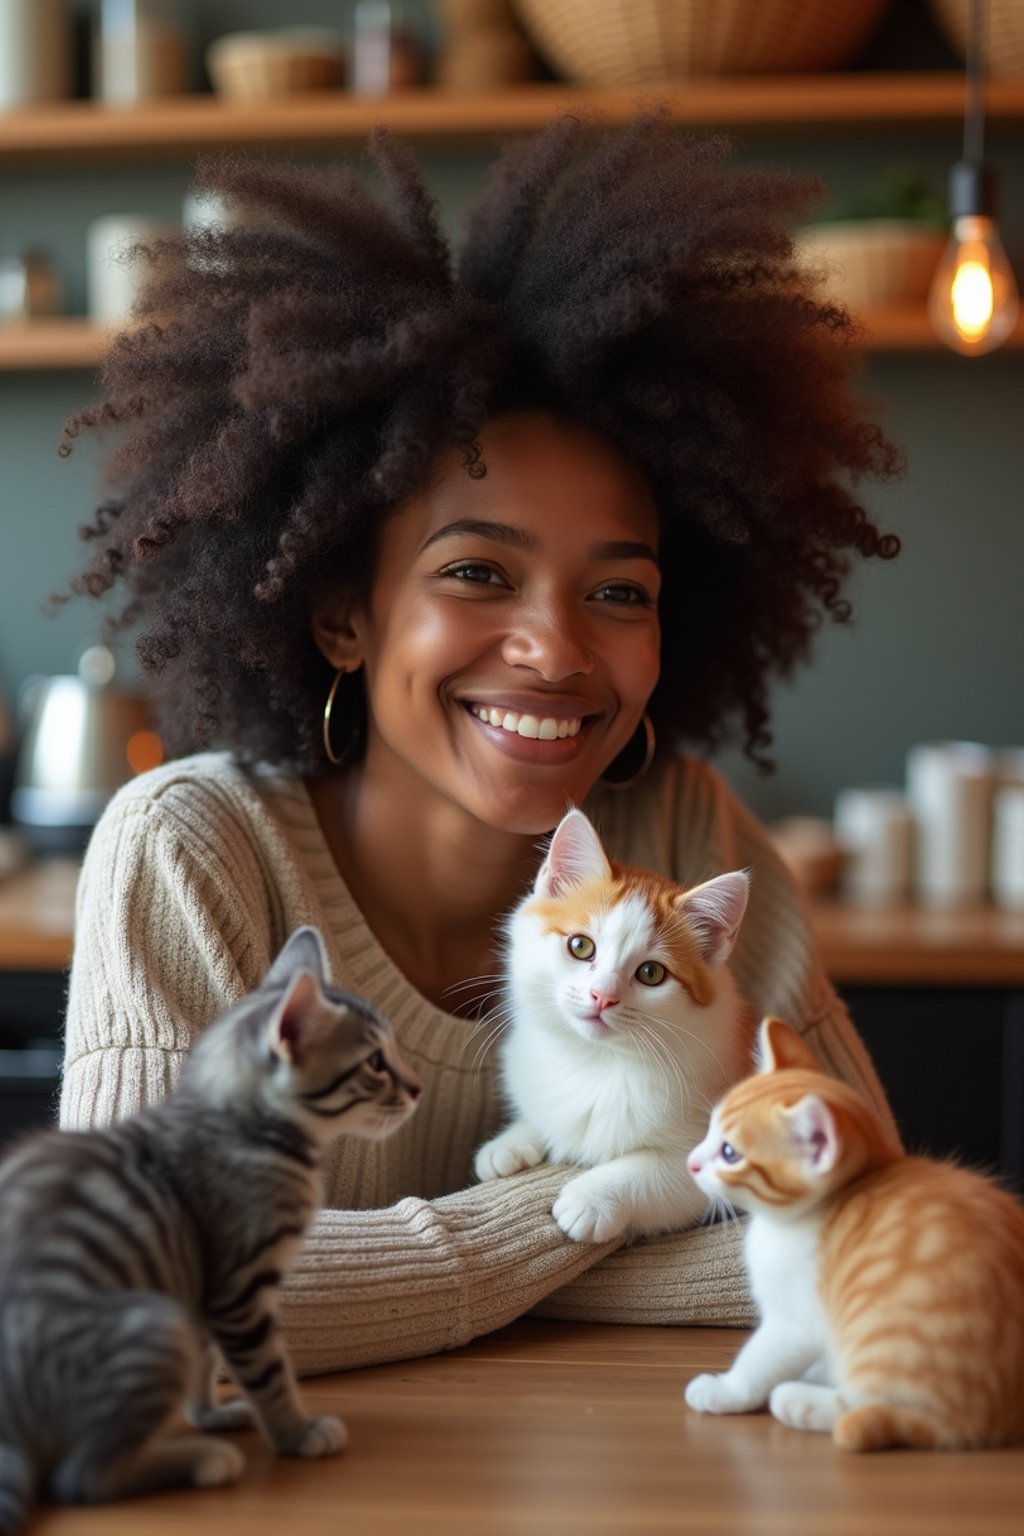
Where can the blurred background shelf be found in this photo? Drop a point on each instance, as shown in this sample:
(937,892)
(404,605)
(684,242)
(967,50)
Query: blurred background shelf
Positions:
(40,345)
(85,131)
(905,946)
(71,342)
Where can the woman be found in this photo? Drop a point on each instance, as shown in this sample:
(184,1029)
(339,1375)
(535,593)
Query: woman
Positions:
(428,557)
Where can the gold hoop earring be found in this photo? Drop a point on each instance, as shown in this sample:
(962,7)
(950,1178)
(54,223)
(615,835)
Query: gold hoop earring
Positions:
(631,750)
(337,758)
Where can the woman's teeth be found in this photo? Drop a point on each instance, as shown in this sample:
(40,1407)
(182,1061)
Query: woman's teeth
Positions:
(533,726)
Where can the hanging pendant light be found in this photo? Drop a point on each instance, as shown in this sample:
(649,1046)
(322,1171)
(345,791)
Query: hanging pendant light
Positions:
(973,301)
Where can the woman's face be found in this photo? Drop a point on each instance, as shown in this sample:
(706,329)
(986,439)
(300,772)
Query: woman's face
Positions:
(511,639)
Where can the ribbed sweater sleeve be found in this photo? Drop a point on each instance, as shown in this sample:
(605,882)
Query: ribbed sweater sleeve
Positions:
(424,1276)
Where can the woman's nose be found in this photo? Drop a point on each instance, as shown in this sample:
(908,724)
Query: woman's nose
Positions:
(549,642)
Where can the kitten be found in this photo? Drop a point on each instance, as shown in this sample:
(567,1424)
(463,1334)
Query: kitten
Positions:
(625,1026)
(899,1279)
(126,1253)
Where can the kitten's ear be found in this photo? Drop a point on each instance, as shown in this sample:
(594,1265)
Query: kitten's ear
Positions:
(816,1133)
(714,912)
(780,1048)
(303,951)
(574,854)
(296,1019)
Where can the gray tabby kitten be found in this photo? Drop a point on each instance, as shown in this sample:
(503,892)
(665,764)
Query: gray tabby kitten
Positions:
(126,1253)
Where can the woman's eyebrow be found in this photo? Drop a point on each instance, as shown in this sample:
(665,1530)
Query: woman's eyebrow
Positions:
(624,549)
(521,538)
(501,533)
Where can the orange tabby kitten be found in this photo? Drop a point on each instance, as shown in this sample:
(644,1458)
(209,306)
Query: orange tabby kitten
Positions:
(899,1279)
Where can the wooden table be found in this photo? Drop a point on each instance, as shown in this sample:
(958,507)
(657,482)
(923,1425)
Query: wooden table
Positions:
(553,1429)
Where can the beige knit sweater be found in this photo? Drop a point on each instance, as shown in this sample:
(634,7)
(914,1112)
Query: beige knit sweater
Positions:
(195,876)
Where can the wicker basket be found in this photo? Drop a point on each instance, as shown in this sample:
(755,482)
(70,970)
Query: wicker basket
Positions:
(632,42)
(253,66)
(1004,27)
(873,263)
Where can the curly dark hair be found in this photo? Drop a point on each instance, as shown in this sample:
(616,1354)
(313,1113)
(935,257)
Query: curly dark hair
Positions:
(294,377)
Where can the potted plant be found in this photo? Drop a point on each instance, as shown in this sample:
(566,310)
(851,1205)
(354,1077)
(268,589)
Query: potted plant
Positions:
(881,250)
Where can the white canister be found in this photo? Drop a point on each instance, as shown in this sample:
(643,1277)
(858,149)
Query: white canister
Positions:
(140,51)
(114,277)
(35,51)
(1008,846)
(949,787)
(874,828)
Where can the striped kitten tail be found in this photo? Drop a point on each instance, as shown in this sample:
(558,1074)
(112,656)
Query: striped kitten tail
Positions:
(17,1489)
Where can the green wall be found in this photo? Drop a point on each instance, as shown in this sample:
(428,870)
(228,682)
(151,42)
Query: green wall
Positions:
(937,648)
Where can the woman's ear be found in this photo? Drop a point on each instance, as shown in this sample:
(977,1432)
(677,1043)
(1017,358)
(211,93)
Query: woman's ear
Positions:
(337,633)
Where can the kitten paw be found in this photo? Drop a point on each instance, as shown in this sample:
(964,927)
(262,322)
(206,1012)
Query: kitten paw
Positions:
(803,1406)
(237,1414)
(716,1394)
(325,1436)
(588,1216)
(219,1463)
(499,1158)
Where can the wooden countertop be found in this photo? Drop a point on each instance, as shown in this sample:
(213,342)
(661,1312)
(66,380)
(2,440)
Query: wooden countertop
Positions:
(560,1429)
(905,946)
(37,915)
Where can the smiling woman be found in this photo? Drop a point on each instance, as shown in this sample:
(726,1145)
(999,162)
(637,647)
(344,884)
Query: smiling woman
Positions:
(427,555)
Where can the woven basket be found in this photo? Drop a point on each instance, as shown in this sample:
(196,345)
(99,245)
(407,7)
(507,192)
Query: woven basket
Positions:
(254,66)
(1004,27)
(873,263)
(631,42)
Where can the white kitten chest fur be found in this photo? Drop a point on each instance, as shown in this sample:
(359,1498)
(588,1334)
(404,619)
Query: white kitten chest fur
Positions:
(782,1263)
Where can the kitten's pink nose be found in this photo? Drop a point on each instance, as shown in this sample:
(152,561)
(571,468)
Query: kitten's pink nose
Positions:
(693,1163)
(603,1000)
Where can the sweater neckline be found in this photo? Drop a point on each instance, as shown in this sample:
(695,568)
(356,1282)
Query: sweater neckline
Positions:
(368,968)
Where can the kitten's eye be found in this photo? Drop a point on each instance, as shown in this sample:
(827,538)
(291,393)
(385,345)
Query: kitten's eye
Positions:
(377,1062)
(728,1153)
(581,947)
(652,973)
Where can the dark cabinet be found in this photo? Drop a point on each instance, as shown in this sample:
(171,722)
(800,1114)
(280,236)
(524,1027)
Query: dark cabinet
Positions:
(952,1062)
(31,1015)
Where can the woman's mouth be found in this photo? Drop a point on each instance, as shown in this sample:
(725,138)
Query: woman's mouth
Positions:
(532,727)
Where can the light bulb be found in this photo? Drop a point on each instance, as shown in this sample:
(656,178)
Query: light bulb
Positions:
(973,301)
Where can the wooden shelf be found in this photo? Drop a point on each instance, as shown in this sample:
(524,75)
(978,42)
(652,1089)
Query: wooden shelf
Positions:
(178,127)
(73,342)
(910,330)
(41,345)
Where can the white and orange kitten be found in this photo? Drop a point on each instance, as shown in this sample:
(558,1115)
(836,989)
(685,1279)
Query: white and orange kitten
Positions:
(890,1288)
(624,1028)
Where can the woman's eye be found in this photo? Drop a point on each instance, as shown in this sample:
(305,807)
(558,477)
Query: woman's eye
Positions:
(622,592)
(581,947)
(728,1153)
(651,973)
(473,573)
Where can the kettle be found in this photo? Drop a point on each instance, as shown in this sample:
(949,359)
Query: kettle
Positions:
(82,740)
